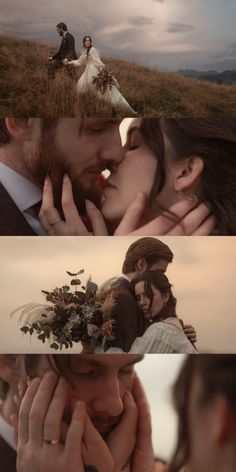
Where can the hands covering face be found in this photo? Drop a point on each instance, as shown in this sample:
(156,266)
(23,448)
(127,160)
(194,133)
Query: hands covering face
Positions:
(45,442)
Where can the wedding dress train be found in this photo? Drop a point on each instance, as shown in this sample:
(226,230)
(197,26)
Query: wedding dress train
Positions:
(94,77)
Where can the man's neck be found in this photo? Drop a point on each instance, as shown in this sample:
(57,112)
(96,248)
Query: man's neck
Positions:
(131,275)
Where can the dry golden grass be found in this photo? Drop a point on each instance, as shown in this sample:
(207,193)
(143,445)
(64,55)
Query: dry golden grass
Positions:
(26,91)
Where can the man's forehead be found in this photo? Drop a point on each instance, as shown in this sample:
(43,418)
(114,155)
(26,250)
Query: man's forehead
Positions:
(105,360)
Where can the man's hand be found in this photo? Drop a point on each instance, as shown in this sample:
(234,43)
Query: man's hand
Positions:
(143,456)
(190,333)
(189,220)
(121,440)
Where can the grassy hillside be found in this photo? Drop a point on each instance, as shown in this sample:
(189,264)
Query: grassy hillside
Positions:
(25,89)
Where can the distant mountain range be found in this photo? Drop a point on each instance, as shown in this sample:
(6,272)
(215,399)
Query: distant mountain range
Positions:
(226,77)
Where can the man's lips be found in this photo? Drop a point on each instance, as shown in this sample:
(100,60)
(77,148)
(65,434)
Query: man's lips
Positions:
(95,170)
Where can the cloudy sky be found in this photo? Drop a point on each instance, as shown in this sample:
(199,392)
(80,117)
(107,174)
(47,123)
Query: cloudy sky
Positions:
(203,277)
(169,34)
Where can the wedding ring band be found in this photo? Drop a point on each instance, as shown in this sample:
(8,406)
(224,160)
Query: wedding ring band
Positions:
(55,222)
(51,442)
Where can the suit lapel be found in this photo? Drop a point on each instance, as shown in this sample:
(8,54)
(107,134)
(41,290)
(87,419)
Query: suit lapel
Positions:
(12,222)
(8,457)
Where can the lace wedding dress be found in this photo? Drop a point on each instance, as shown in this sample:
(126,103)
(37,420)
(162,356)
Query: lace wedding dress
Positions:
(93,67)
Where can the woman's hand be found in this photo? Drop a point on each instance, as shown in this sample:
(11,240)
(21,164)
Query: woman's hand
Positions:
(190,220)
(46,443)
(72,225)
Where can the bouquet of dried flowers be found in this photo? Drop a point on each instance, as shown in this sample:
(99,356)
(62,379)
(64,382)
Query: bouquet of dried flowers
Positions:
(104,80)
(71,317)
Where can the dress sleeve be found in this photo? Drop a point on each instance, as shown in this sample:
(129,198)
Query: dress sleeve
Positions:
(79,62)
(162,338)
(94,54)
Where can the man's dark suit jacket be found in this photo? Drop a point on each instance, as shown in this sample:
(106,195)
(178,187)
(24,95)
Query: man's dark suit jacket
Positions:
(129,319)
(7,457)
(67,49)
(12,222)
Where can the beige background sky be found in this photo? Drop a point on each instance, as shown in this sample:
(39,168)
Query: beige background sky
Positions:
(203,275)
(158,373)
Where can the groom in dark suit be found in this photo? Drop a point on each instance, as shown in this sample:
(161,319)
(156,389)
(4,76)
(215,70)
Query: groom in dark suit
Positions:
(66,51)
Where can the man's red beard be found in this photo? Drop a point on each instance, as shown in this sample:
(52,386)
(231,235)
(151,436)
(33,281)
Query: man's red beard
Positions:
(51,161)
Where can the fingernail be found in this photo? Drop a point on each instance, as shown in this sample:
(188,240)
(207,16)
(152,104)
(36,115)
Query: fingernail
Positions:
(15,398)
(139,196)
(89,204)
(50,374)
(46,181)
(66,179)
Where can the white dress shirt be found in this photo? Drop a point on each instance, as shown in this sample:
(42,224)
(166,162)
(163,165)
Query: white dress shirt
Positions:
(6,432)
(25,195)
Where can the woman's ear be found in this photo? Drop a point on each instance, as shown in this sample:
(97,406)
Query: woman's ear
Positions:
(21,129)
(223,421)
(9,368)
(188,173)
(165,297)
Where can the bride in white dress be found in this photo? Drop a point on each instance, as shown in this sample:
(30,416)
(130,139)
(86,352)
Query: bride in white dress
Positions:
(98,79)
(164,332)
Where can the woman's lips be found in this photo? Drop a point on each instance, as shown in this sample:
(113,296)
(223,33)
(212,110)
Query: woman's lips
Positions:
(109,185)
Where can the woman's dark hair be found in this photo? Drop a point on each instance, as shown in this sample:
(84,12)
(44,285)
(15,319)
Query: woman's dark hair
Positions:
(218,375)
(161,282)
(212,139)
(90,39)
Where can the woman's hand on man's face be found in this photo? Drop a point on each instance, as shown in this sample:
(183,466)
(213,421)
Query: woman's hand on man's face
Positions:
(189,220)
(41,421)
(72,225)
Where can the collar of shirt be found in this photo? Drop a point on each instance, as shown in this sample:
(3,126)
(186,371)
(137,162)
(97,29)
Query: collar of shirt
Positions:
(6,432)
(24,193)
(124,276)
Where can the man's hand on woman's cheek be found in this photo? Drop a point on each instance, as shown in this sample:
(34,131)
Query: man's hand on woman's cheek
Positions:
(121,441)
(143,455)
(182,219)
